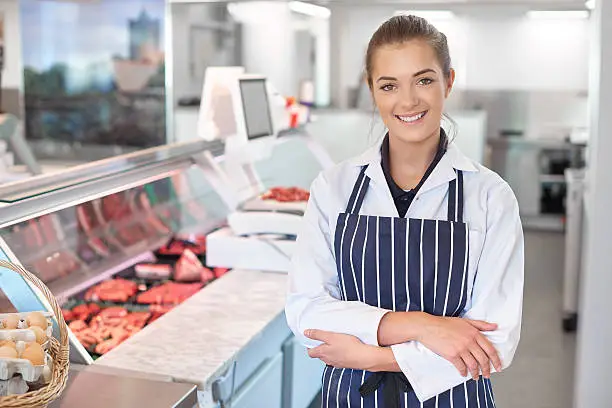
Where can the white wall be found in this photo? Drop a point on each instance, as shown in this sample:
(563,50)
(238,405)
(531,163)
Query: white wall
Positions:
(522,54)
(595,326)
(12,75)
(490,51)
(267,43)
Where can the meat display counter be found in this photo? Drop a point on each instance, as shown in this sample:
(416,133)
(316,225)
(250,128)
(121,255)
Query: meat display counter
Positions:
(121,244)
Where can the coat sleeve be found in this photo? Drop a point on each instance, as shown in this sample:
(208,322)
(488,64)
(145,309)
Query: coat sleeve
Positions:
(313,298)
(497,297)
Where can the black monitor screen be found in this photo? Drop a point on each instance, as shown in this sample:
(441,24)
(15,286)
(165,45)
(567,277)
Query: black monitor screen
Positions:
(256,108)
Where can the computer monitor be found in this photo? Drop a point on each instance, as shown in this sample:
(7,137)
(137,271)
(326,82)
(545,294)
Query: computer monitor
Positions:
(242,111)
(256,108)
(255,125)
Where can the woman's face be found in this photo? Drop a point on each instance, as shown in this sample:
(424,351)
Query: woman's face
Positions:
(409,89)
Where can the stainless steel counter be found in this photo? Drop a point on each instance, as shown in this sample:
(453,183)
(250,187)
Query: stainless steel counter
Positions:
(92,389)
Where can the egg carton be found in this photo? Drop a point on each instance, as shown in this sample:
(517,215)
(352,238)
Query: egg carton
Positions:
(9,367)
(23,334)
(13,386)
(24,315)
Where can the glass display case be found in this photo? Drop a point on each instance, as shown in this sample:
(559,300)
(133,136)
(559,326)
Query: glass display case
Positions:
(122,241)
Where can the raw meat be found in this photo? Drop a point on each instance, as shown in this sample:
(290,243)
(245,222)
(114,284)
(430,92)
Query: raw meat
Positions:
(153,271)
(115,207)
(137,319)
(158,311)
(114,290)
(160,308)
(108,327)
(68,315)
(152,218)
(106,346)
(93,309)
(188,268)
(178,246)
(169,293)
(86,218)
(98,245)
(206,275)
(219,272)
(286,194)
(78,326)
(35,234)
(112,313)
(48,228)
(81,312)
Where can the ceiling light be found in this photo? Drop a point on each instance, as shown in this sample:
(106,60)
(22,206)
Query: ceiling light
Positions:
(590,4)
(309,9)
(558,15)
(428,14)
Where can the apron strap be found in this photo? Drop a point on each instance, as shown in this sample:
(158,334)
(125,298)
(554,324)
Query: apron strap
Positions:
(358,194)
(455,198)
(395,385)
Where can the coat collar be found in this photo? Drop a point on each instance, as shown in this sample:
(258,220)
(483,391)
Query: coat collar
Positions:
(444,172)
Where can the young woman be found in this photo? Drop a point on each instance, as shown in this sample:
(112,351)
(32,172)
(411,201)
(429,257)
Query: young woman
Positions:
(408,278)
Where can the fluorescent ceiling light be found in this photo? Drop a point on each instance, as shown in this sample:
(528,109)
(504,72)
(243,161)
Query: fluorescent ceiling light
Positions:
(558,15)
(309,9)
(590,4)
(428,14)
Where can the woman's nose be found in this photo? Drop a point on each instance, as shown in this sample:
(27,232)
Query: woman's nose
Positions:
(409,97)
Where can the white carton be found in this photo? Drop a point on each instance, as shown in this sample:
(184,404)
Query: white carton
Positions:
(24,334)
(11,366)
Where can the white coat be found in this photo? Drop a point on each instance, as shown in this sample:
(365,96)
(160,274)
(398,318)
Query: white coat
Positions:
(495,271)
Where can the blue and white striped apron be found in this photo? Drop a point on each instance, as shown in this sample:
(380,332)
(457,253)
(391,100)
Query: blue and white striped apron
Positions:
(402,264)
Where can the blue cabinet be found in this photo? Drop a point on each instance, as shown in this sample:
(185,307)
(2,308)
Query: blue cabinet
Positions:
(264,389)
(302,375)
(272,371)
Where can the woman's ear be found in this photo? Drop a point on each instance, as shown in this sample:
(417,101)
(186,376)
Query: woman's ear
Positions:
(449,83)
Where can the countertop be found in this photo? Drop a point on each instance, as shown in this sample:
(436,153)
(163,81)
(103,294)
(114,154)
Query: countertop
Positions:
(197,342)
(97,390)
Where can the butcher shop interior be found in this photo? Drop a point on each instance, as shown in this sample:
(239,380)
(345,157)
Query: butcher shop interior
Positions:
(156,160)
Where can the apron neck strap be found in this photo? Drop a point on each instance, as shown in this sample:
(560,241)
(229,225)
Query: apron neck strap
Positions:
(358,194)
(455,195)
(455,198)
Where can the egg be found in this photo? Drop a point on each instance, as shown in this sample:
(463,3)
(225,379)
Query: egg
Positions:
(8,352)
(37,319)
(8,343)
(10,322)
(41,335)
(34,353)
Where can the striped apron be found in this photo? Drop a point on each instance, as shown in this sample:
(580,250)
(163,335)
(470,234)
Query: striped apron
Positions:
(401,264)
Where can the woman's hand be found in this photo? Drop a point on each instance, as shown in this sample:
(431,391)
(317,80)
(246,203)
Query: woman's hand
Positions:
(345,351)
(461,342)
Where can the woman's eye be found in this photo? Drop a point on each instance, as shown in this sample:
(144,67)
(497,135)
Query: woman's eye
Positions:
(425,81)
(388,87)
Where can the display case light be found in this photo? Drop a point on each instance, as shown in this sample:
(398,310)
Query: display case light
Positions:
(309,9)
(590,4)
(558,14)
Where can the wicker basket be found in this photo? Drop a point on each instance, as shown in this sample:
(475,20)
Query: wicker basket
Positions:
(59,351)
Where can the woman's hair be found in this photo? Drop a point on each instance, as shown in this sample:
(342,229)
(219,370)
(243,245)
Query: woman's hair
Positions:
(403,28)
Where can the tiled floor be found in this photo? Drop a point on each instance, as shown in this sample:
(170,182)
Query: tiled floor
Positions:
(542,373)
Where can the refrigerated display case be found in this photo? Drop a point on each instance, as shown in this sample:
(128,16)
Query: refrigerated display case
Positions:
(120,243)
(97,236)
